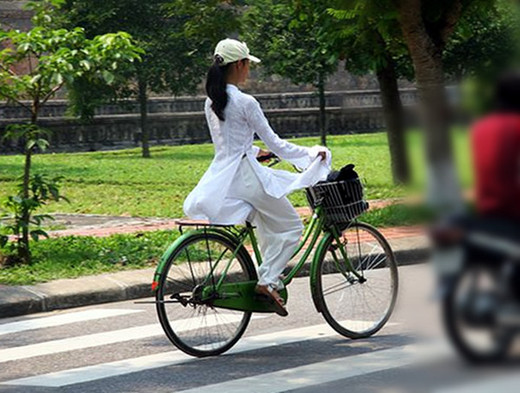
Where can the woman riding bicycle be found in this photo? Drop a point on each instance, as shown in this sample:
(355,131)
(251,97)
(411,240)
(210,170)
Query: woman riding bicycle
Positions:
(236,188)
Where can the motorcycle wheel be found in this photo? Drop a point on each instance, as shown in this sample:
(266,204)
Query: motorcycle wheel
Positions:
(484,341)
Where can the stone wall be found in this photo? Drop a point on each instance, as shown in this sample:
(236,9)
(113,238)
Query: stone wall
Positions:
(13,16)
(181,120)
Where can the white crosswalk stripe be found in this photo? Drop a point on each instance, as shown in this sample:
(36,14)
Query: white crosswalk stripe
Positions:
(502,384)
(127,366)
(105,338)
(322,372)
(58,320)
(278,381)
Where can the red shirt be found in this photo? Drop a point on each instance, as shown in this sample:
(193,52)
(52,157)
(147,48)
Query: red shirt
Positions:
(496,156)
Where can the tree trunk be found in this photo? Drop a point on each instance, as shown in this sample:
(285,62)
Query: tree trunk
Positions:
(393,113)
(443,189)
(322,115)
(24,251)
(143,101)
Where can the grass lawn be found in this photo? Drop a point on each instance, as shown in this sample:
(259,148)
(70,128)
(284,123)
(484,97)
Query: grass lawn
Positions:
(75,256)
(123,183)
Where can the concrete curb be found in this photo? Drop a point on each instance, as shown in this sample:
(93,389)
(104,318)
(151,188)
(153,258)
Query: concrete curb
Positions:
(135,284)
(68,293)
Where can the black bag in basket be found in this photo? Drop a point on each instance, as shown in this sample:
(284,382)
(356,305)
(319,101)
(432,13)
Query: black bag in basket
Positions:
(341,195)
(345,173)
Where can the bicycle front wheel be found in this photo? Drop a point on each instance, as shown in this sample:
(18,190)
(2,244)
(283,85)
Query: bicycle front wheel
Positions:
(184,299)
(357,294)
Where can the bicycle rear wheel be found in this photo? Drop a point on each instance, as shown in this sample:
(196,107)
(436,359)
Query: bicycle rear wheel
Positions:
(184,300)
(356,307)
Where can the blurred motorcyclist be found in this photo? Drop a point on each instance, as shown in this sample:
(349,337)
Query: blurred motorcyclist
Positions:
(496,154)
(477,256)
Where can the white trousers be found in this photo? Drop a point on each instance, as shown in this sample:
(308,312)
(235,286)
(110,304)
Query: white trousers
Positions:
(278,225)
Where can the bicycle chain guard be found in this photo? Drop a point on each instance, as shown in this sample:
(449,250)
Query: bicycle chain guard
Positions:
(241,296)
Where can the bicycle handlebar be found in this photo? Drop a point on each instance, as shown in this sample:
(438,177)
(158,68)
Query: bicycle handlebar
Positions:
(276,160)
(267,157)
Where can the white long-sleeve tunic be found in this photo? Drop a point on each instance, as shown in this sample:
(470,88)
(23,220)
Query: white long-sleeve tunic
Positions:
(232,139)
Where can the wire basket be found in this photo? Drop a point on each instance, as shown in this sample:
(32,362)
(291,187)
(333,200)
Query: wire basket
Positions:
(342,201)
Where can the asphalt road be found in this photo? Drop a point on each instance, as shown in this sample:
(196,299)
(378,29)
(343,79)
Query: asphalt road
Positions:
(120,347)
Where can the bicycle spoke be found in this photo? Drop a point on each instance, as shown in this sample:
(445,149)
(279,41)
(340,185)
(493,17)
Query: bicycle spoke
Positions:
(181,283)
(194,324)
(360,307)
(377,262)
(336,288)
(189,264)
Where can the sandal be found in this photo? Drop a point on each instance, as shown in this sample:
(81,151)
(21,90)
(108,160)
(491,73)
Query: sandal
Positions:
(273,295)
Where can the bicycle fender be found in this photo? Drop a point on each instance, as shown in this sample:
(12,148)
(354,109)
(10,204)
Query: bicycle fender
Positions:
(171,249)
(165,256)
(320,250)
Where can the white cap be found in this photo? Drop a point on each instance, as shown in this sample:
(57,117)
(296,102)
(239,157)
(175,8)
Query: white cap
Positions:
(230,50)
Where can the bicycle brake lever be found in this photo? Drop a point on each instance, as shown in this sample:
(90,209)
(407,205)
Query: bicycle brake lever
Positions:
(276,161)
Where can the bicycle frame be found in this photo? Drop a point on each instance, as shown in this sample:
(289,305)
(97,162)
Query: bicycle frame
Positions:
(241,295)
(315,228)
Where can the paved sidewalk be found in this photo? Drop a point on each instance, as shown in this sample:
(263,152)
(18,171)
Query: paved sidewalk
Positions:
(100,225)
(408,243)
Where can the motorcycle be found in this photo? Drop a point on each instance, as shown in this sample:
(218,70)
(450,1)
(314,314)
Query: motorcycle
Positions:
(478,265)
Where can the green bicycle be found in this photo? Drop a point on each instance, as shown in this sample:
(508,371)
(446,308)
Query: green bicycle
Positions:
(204,283)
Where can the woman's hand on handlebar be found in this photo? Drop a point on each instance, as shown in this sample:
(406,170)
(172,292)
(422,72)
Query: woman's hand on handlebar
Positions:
(265,155)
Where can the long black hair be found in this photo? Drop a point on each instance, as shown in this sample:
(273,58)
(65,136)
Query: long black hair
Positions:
(216,86)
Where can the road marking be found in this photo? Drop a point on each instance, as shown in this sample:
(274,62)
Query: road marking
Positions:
(322,372)
(502,384)
(105,338)
(127,366)
(58,320)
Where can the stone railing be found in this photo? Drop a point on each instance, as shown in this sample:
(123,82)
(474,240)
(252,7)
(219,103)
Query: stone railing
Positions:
(344,99)
(13,15)
(181,120)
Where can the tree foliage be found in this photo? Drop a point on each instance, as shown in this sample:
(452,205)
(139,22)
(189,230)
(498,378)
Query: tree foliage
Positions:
(49,59)
(369,38)
(483,43)
(294,40)
(178,37)
(56,57)
(434,34)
